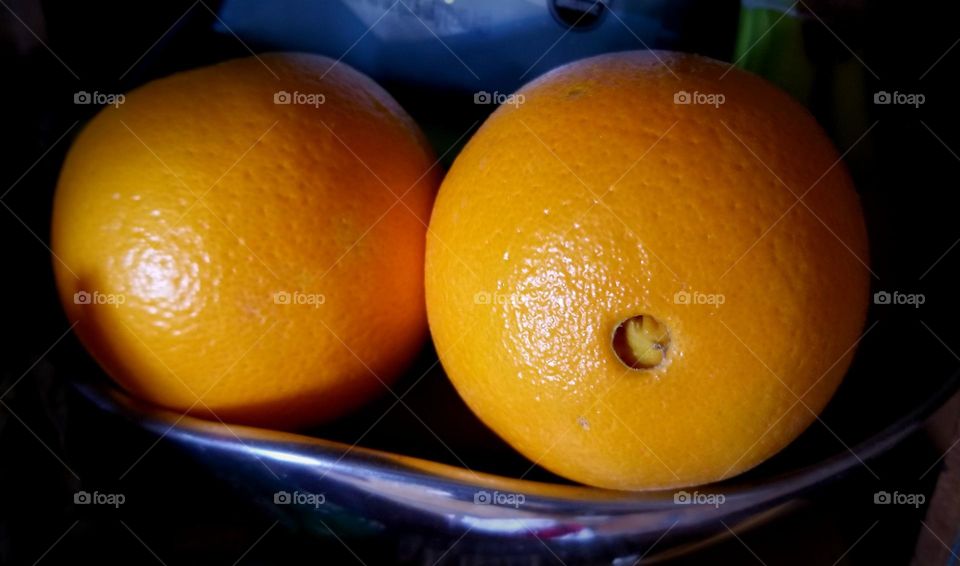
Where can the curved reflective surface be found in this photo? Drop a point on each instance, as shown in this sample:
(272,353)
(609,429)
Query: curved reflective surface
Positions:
(316,486)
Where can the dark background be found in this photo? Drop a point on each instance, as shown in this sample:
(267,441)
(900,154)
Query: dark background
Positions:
(52,443)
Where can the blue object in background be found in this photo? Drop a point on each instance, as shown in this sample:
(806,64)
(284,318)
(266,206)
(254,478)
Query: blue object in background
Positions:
(473,45)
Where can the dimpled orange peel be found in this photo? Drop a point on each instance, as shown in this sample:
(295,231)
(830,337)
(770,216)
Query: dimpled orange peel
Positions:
(232,241)
(648,274)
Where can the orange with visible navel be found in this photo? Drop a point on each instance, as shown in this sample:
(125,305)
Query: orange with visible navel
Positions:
(601,200)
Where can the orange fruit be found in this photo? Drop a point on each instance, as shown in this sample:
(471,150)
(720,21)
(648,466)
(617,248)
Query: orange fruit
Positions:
(647,273)
(245,241)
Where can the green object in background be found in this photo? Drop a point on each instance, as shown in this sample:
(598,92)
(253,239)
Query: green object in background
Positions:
(819,70)
(770,44)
